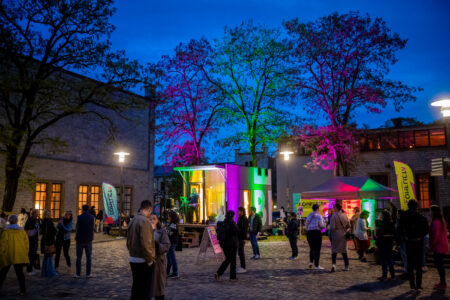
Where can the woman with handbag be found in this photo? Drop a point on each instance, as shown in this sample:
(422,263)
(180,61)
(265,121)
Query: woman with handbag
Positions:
(361,235)
(339,227)
(162,245)
(63,240)
(48,245)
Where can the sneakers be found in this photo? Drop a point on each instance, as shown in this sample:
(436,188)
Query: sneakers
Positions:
(76,276)
(333,268)
(310,266)
(345,268)
(292,258)
(32,273)
(216,277)
(233,279)
(257,256)
(241,270)
(89,276)
(440,287)
(318,268)
(253,257)
(174,276)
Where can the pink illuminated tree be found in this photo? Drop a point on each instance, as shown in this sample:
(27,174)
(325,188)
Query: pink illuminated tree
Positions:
(189,105)
(343,62)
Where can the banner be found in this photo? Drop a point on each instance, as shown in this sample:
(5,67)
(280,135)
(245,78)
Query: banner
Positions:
(307,204)
(405,184)
(110,202)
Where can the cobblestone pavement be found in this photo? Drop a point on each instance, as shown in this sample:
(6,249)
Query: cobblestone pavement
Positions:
(271,277)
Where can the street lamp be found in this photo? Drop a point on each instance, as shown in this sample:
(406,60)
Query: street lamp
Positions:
(286,154)
(444,104)
(121,156)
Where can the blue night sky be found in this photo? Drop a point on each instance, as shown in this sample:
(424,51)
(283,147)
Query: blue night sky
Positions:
(147,29)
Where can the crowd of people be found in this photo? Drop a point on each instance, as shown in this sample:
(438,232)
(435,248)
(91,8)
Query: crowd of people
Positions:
(152,245)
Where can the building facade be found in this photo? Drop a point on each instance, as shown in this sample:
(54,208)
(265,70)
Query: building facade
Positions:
(414,146)
(68,179)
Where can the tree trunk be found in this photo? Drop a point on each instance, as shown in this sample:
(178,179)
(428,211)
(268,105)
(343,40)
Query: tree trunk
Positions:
(253,153)
(12,175)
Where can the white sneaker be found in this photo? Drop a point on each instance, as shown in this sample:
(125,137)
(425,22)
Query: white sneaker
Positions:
(257,256)
(253,257)
(345,269)
(318,268)
(241,270)
(32,273)
(76,276)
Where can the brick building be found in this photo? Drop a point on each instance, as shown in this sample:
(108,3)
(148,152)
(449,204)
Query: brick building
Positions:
(68,179)
(415,146)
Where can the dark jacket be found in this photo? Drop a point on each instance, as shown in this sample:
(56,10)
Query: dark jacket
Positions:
(292,230)
(257,224)
(100,215)
(85,227)
(231,239)
(385,232)
(172,231)
(48,231)
(413,226)
(33,229)
(242,224)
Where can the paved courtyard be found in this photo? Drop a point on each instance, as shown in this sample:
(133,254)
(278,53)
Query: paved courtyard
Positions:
(271,277)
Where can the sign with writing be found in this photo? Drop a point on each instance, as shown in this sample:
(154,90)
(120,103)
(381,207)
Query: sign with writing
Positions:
(110,202)
(210,238)
(405,184)
(307,204)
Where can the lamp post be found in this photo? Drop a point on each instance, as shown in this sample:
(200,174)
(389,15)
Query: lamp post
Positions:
(286,154)
(444,104)
(121,156)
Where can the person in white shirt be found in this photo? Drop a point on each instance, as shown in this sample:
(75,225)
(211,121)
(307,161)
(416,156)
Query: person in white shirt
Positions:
(314,226)
(361,235)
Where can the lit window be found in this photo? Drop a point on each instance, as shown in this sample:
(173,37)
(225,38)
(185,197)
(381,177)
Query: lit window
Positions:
(48,195)
(41,197)
(55,203)
(425,191)
(389,140)
(421,138)
(437,137)
(127,201)
(88,195)
(406,139)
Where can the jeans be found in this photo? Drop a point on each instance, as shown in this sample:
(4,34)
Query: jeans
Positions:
(142,280)
(48,270)
(385,253)
(87,246)
(439,264)
(230,259)
(414,254)
(241,253)
(402,249)
(32,253)
(19,273)
(293,243)
(254,242)
(108,228)
(65,245)
(314,238)
(363,245)
(172,260)
(344,256)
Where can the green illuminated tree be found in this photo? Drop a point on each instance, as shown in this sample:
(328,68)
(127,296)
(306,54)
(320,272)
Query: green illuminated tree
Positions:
(39,41)
(252,72)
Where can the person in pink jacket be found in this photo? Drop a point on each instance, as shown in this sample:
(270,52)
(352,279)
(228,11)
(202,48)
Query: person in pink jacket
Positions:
(438,243)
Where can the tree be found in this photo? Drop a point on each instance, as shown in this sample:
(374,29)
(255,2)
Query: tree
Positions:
(190,105)
(253,75)
(343,62)
(39,42)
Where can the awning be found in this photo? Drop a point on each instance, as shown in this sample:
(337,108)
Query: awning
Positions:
(347,188)
(200,168)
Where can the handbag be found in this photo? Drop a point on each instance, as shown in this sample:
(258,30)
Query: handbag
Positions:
(347,235)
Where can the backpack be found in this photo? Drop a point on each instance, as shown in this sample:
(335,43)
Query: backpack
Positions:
(220,230)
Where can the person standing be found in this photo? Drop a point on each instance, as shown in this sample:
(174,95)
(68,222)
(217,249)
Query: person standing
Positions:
(108,224)
(242,224)
(48,245)
(282,214)
(32,229)
(193,207)
(141,248)
(23,217)
(413,227)
(292,232)
(83,238)
(255,231)
(314,226)
(172,229)
(339,225)
(64,228)
(438,244)
(99,221)
(13,252)
(353,223)
(230,244)
(385,232)
(162,245)
(361,235)
(92,211)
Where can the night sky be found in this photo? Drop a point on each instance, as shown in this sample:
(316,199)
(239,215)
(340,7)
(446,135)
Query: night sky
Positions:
(147,29)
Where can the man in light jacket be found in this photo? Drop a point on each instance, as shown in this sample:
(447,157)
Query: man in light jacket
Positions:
(141,247)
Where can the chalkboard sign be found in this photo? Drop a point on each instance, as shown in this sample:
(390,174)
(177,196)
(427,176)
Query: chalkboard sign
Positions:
(210,237)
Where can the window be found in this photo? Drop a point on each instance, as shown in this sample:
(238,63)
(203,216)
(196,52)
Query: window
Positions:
(389,140)
(88,195)
(127,200)
(406,139)
(374,142)
(259,172)
(48,195)
(437,137)
(421,138)
(380,178)
(425,189)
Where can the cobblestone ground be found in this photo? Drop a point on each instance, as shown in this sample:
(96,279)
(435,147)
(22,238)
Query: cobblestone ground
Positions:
(271,277)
